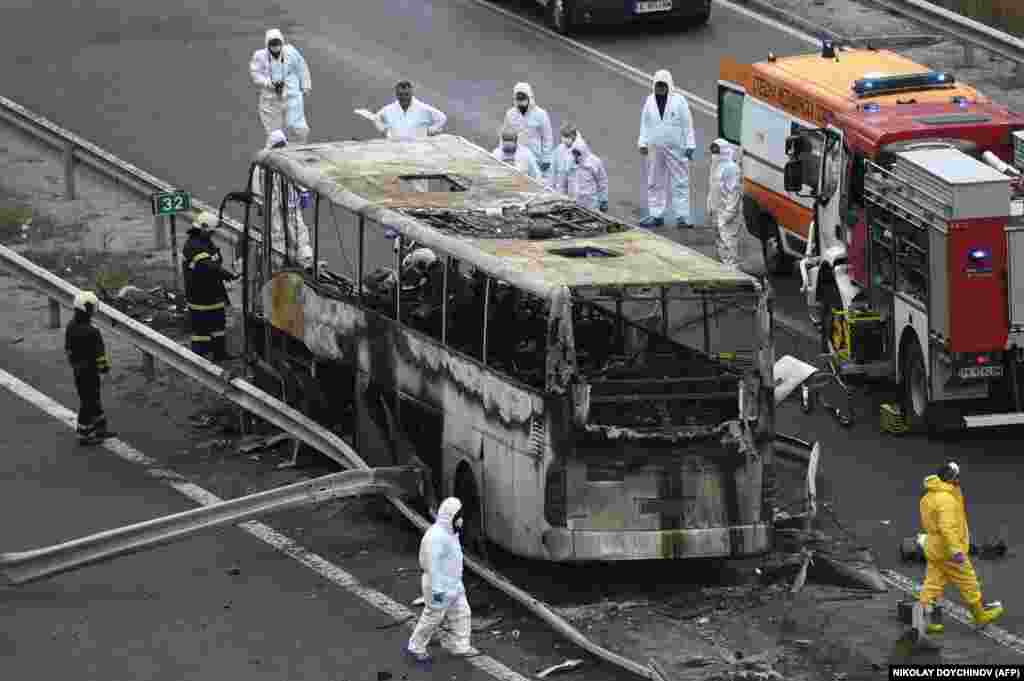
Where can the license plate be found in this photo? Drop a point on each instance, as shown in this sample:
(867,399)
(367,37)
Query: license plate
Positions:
(653,6)
(981,372)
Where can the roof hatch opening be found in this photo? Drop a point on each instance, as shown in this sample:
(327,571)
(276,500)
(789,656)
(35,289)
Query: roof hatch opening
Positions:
(584,252)
(429,183)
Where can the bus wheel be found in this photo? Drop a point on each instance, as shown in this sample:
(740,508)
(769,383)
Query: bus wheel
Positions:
(915,387)
(776,260)
(474,540)
(559,16)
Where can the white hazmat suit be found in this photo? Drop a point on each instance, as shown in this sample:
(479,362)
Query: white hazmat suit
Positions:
(534,128)
(299,246)
(522,159)
(561,157)
(286,111)
(724,194)
(669,139)
(586,180)
(444,594)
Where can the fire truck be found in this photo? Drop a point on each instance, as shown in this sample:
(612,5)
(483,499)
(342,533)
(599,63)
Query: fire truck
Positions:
(939,302)
(884,102)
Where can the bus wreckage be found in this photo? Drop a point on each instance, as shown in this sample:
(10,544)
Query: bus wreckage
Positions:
(591,391)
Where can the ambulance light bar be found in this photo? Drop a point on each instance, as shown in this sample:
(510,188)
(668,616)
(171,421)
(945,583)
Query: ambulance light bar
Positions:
(866,87)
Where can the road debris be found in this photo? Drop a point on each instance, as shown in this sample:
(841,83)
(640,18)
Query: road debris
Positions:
(561,667)
(263,442)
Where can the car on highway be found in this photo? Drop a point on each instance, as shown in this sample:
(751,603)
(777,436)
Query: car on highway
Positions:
(565,16)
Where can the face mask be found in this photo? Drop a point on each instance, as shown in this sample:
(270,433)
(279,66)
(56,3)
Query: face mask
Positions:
(509,149)
(275,50)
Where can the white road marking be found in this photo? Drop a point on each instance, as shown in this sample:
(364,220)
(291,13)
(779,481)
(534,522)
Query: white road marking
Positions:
(630,72)
(959,613)
(777,25)
(282,543)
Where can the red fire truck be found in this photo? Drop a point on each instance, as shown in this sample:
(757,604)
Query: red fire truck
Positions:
(931,293)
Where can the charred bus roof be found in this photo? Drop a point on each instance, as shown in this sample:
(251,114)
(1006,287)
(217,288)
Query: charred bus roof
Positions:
(485,213)
(988,125)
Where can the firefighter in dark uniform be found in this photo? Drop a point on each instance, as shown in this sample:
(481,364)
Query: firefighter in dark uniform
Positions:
(204,276)
(88,358)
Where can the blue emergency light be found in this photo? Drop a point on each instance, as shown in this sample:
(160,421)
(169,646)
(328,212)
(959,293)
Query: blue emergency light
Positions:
(979,260)
(871,107)
(914,81)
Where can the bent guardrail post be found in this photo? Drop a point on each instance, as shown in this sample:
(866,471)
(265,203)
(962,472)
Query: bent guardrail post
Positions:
(22,567)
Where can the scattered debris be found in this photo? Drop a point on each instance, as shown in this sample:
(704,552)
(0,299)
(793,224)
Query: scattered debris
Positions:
(263,442)
(561,667)
(234,571)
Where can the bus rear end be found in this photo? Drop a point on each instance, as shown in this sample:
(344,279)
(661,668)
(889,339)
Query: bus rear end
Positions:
(662,464)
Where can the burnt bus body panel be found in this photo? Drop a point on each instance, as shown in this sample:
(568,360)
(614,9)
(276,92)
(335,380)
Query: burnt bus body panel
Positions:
(544,444)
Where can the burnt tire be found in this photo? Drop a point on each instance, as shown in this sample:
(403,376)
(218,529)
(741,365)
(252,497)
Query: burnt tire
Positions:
(776,261)
(559,16)
(914,387)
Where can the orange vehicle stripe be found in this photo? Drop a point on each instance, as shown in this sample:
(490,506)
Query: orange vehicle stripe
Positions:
(790,215)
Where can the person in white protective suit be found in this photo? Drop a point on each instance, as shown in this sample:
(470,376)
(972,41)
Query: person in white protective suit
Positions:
(724,193)
(299,246)
(534,126)
(282,76)
(510,151)
(408,118)
(667,139)
(561,157)
(444,594)
(586,180)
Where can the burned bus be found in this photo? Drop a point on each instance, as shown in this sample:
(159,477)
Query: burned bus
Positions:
(591,390)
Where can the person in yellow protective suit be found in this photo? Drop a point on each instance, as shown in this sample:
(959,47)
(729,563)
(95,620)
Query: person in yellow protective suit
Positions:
(946,545)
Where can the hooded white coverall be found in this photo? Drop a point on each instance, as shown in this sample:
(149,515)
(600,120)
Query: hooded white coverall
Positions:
(667,137)
(535,129)
(586,181)
(561,157)
(298,233)
(287,112)
(724,193)
(444,594)
(523,160)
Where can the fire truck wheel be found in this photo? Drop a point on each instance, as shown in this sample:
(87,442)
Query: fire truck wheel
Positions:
(915,387)
(776,260)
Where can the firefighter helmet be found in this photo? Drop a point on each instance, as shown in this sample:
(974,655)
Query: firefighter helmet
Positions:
(206,221)
(86,298)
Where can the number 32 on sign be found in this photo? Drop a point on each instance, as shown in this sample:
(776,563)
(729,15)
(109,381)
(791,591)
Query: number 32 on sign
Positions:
(169,203)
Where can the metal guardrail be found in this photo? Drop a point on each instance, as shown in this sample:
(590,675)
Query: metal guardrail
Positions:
(973,34)
(77,150)
(22,567)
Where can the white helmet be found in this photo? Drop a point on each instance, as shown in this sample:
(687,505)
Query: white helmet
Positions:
(86,298)
(420,259)
(206,221)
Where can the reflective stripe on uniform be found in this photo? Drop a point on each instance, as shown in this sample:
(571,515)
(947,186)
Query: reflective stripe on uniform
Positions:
(197,257)
(200,339)
(206,308)
(217,334)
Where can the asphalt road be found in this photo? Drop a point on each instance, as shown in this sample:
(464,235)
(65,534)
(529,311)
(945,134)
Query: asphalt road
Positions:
(180,611)
(168,89)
